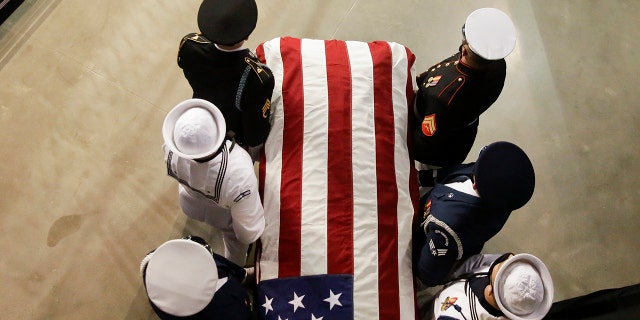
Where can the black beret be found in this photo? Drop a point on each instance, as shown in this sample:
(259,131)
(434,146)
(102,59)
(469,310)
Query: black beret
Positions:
(504,176)
(227,22)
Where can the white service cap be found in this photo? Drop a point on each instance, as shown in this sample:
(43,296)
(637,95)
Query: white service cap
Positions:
(523,288)
(181,277)
(490,33)
(194,129)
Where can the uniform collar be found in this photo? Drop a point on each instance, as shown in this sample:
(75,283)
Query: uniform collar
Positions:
(213,155)
(477,285)
(447,193)
(233,50)
(467,69)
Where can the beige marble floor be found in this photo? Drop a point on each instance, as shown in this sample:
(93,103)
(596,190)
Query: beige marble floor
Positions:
(85,86)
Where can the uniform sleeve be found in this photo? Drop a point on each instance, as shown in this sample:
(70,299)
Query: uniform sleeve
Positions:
(476,94)
(437,256)
(255,103)
(474,263)
(248,216)
(186,57)
(228,268)
(492,86)
(246,208)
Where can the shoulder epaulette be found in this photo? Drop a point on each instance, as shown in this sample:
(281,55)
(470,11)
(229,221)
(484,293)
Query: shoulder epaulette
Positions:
(195,37)
(261,70)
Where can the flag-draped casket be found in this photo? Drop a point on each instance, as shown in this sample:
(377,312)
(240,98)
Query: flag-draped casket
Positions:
(337,182)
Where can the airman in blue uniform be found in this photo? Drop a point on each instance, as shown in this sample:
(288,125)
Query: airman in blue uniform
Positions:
(468,205)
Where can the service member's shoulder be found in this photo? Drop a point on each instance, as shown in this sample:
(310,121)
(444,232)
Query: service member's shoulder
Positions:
(194,37)
(189,42)
(259,69)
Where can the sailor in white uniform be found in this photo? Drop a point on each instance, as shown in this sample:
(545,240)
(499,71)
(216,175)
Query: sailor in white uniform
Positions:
(517,287)
(218,184)
(184,279)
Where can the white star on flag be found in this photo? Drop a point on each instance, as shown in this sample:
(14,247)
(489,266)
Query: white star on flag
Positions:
(333,299)
(267,305)
(297,302)
(281,318)
(313,317)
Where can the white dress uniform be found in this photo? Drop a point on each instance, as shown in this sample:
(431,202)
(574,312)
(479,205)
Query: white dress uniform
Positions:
(523,289)
(184,279)
(221,191)
(457,301)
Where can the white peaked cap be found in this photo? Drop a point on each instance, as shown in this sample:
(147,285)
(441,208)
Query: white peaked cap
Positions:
(523,288)
(490,33)
(181,277)
(194,129)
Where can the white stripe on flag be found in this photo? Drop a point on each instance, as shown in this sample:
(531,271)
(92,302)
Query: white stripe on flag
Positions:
(314,162)
(403,171)
(273,146)
(365,228)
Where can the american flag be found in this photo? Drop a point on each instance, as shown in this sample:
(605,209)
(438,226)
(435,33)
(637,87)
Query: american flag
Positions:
(336,177)
(320,297)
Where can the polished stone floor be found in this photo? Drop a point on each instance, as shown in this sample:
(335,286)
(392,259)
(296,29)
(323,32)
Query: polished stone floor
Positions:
(85,86)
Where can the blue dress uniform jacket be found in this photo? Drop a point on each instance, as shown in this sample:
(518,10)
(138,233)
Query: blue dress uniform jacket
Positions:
(230,301)
(455,225)
(451,96)
(235,81)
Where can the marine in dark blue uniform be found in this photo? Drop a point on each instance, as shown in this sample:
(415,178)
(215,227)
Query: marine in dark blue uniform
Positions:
(468,205)
(454,93)
(184,279)
(219,69)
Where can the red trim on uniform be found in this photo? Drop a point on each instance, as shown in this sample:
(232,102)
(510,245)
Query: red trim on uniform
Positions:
(449,85)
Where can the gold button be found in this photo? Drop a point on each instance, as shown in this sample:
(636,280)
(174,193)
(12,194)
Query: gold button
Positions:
(446,65)
(438,66)
(459,79)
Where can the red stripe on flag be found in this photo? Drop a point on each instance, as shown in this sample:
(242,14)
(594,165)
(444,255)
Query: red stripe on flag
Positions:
(387,192)
(260,53)
(289,251)
(413,177)
(340,174)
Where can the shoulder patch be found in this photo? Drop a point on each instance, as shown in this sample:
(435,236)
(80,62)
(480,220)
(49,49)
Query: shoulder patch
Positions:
(242,195)
(429,125)
(448,302)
